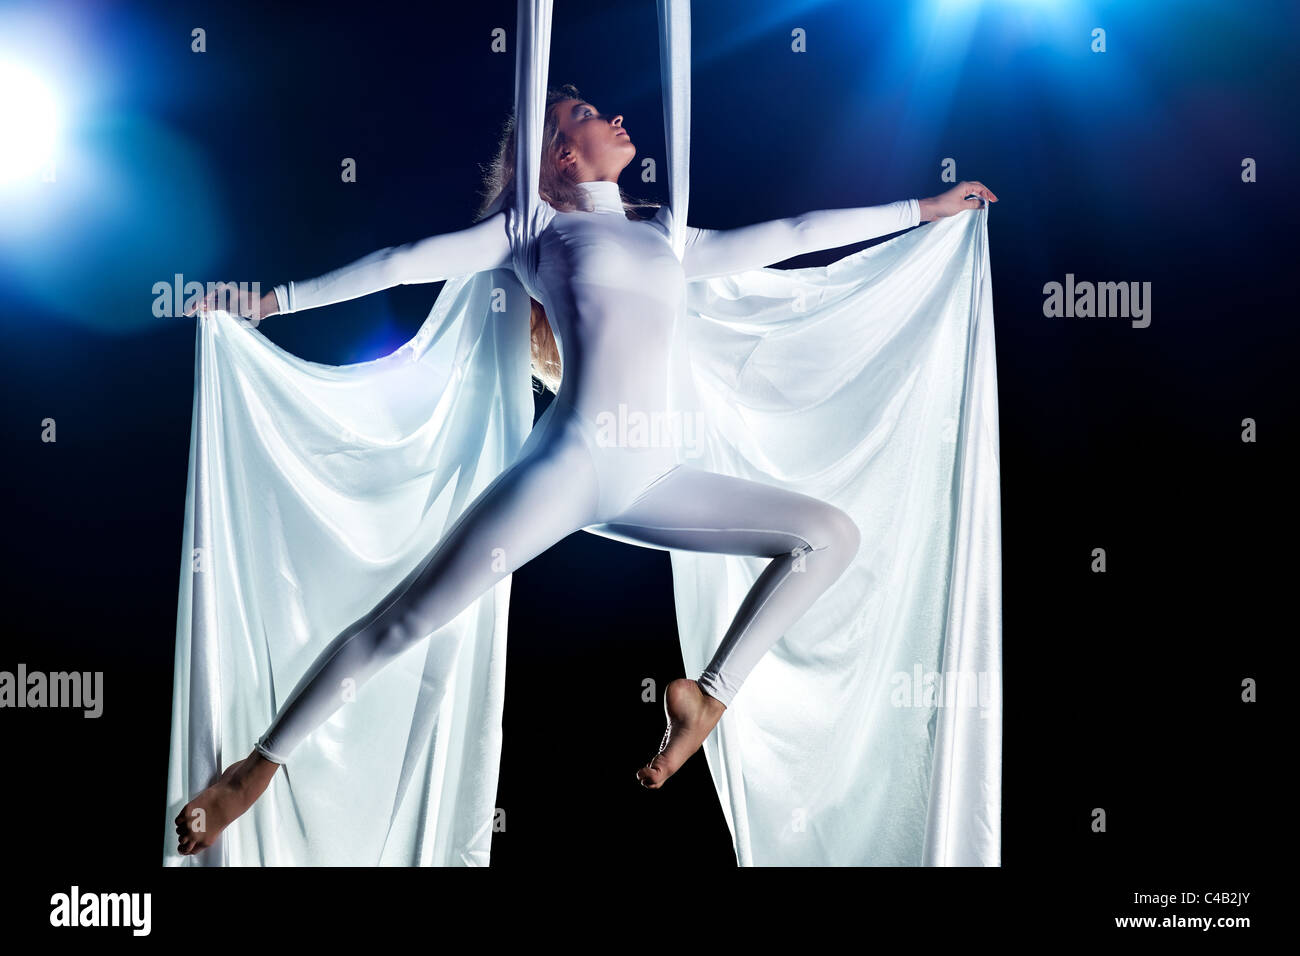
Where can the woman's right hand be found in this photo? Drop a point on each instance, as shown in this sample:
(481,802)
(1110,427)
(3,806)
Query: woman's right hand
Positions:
(237,300)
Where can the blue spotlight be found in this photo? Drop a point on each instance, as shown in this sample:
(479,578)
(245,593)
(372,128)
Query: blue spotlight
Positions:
(29,123)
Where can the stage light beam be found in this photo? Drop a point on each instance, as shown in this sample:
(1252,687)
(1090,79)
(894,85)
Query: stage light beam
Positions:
(28,123)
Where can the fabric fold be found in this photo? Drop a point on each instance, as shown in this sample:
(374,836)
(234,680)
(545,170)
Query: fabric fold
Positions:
(313,490)
(871,384)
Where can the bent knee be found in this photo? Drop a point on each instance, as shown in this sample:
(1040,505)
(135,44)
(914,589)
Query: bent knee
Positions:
(832,529)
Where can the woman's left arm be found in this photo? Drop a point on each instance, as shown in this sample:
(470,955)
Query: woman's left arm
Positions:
(713,252)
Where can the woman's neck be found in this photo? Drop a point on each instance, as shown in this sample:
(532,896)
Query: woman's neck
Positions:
(604,196)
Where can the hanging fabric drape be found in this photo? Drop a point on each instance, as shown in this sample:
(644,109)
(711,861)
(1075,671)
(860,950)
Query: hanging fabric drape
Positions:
(869,735)
(871,732)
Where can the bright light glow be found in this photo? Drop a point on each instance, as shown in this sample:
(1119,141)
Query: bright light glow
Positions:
(29,123)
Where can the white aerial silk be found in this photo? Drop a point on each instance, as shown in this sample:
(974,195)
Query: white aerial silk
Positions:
(314,489)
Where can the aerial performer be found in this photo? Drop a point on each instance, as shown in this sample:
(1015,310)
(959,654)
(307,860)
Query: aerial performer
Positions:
(816,448)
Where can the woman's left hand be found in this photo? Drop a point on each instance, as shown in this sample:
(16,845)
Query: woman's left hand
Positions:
(954,200)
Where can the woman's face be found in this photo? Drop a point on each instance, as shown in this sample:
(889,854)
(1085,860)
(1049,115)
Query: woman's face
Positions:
(595,146)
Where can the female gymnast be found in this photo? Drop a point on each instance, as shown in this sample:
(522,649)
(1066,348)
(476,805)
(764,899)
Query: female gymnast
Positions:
(612,293)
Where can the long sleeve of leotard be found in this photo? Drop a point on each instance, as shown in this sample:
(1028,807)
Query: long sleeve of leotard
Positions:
(714,252)
(484,245)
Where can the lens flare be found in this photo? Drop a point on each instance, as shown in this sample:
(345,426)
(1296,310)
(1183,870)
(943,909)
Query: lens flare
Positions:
(28,123)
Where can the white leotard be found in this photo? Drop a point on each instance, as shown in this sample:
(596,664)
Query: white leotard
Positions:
(614,292)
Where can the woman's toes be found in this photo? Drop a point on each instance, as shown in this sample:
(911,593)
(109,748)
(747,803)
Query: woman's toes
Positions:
(650,776)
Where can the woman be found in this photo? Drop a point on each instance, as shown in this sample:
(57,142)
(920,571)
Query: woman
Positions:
(612,292)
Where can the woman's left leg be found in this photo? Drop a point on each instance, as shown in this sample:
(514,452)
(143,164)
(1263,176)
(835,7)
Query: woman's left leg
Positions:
(810,543)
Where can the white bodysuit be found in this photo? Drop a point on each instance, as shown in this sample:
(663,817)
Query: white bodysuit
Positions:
(613,291)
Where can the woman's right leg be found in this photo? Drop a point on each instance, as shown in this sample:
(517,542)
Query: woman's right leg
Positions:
(547,494)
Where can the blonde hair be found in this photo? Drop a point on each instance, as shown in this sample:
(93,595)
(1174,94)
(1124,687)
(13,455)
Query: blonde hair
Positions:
(557,188)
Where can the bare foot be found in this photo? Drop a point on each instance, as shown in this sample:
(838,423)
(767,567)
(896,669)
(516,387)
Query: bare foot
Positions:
(692,715)
(201,820)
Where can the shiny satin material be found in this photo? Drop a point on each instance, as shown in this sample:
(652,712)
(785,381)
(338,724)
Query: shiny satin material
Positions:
(313,490)
(870,384)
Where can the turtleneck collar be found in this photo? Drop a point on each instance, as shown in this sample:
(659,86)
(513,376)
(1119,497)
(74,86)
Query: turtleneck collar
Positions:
(604,196)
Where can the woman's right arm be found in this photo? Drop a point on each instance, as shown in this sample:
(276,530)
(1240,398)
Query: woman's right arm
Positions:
(484,245)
